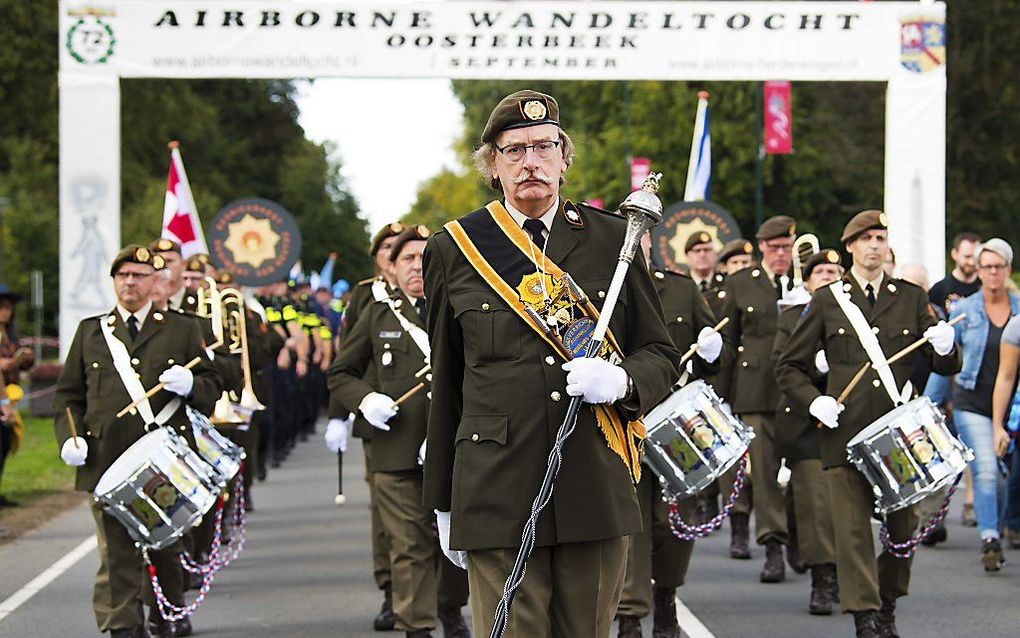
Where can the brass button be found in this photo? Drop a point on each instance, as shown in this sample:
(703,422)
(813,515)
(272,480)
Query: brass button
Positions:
(905,331)
(485,306)
(787,409)
(740,348)
(386,346)
(428,377)
(743,363)
(679,319)
(875,329)
(182,428)
(659,275)
(138,375)
(550,360)
(428,395)
(750,308)
(722,294)
(876,383)
(88,432)
(602,294)
(170,361)
(135,361)
(841,331)
(95,364)
(555,396)
(474,437)
(755,272)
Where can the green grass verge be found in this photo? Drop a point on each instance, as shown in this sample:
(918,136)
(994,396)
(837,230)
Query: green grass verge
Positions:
(36,470)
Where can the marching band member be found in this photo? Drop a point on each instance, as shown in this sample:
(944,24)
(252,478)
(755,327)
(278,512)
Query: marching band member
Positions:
(112,359)
(897,313)
(655,554)
(798,441)
(500,393)
(750,304)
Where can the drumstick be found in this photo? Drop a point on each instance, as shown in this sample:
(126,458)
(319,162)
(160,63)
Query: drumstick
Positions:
(694,346)
(156,388)
(70,421)
(407,395)
(853,383)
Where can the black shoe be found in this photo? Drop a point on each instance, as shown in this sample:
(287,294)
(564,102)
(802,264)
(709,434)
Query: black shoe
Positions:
(938,534)
(453,622)
(386,620)
(991,555)
(885,619)
(6,502)
(664,623)
(181,627)
(794,559)
(865,624)
(261,472)
(821,590)
(419,633)
(774,571)
(159,627)
(134,632)
(739,544)
(628,626)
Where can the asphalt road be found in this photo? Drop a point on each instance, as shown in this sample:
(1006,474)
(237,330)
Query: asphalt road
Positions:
(306,572)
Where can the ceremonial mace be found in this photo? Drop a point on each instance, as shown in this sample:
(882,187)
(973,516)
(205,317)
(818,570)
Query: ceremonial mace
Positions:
(643,211)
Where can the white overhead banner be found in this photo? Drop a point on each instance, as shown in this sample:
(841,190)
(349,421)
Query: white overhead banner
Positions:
(901,43)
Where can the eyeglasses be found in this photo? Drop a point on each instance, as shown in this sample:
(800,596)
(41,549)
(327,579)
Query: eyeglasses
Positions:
(137,275)
(516,152)
(993,267)
(782,248)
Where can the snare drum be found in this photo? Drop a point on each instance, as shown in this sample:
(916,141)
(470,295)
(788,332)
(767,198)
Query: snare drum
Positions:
(217,450)
(158,488)
(908,454)
(693,438)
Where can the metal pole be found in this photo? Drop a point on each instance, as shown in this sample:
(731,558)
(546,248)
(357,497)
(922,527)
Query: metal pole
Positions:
(759,158)
(37,308)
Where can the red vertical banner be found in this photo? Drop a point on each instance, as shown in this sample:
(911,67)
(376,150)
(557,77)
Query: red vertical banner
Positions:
(596,202)
(778,118)
(640,167)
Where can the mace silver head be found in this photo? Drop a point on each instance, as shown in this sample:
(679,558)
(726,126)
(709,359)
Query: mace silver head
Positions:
(643,210)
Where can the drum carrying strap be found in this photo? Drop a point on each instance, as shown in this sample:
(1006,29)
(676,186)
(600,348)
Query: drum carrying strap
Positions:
(868,340)
(419,336)
(122,362)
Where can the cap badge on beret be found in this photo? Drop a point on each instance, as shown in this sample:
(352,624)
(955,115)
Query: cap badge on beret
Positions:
(397,227)
(882,219)
(703,237)
(793,229)
(158,262)
(142,254)
(747,247)
(534,110)
(832,256)
(164,244)
(423,231)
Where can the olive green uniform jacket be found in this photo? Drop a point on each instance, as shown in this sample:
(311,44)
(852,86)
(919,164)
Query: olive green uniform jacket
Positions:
(797,435)
(91,387)
(686,312)
(750,304)
(498,396)
(380,356)
(899,318)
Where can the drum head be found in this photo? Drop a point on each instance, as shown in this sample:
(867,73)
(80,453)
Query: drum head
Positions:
(681,397)
(132,459)
(886,421)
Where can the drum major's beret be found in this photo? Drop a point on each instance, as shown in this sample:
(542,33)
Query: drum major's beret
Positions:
(700,237)
(387,231)
(862,221)
(411,233)
(195,263)
(136,254)
(824,256)
(734,248)
(163,245)
(777,226)
(520,110)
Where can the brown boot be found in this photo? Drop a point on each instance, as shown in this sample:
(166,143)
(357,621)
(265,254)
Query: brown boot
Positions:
(453,623)
(739,547)
(885,619)
(664,624)
(864,623)
(628,626)
(774,570)
(821,591)
(386,620)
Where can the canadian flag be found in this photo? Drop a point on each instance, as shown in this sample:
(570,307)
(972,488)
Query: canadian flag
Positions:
(180,219)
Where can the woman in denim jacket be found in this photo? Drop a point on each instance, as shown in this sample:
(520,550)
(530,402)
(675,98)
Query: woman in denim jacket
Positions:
(987,312)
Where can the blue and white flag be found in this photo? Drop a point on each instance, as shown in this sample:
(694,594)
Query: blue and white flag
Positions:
(326,272)
(699,170)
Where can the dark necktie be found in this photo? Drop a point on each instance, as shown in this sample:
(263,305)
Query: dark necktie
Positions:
(870,292)
(420,307)
(704,285)
(132,324)
(779,286)
(536,228)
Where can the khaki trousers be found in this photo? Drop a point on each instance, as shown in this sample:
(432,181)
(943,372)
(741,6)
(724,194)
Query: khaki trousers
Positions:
(122,582)
(815,535)
(380,543)
(655,553)
(863,580)
(767,497)
(569,590)
(413,548)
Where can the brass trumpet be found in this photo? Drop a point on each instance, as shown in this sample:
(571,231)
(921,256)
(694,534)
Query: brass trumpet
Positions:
(237,336)
(803,248)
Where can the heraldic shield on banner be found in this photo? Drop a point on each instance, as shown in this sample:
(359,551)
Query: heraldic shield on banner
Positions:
(683,219)
(922,43)
(256,239)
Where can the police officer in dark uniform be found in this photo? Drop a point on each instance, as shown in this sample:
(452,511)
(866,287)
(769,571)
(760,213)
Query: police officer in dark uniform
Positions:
(499,393)
(897,313)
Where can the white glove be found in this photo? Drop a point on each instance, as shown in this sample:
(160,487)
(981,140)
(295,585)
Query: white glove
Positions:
(178,380)
(378,409)
(596,380)
(821,363)
(709,344)
(74,456)
(337,433)
(421,452)
(456,557)
(941,336)
(825,409)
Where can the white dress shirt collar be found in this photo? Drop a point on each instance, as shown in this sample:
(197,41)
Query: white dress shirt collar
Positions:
(876,283)
(140,314)
(546,218)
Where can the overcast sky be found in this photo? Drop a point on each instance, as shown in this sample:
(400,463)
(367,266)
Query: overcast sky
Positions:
(391,136)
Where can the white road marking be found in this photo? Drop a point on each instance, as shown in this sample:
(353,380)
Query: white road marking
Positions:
(20,597)
(689,623)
